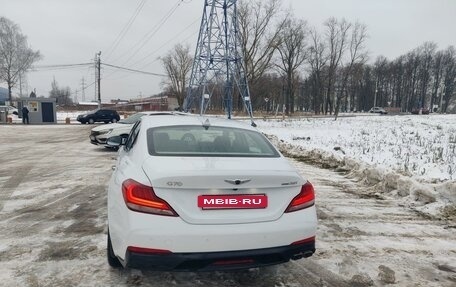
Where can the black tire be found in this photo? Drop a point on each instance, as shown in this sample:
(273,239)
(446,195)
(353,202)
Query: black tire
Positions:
(106,122)
(91,121)
(114,120)
(113,261)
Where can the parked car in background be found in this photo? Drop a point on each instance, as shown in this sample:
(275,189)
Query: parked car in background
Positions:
(420,111)
(200,193)
(378,110)
(100,115)
(11,110)
(100,134)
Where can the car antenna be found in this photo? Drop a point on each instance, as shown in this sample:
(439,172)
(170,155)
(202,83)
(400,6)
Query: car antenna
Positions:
(206,124)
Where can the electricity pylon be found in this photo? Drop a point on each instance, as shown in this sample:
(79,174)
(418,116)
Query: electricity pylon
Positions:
(218,59)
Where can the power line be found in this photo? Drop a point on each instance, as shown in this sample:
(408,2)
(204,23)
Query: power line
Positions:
(85,87)
(170,40)
(135,71)
(140,44)
(61,66)
(55,69)
(166,43)
(125,29)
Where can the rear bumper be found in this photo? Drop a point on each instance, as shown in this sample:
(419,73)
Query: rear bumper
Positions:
(211,261)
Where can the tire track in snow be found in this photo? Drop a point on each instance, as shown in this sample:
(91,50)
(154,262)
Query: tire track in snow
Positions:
(12,183)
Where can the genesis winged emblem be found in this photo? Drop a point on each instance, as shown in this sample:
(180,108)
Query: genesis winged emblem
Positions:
(237,181)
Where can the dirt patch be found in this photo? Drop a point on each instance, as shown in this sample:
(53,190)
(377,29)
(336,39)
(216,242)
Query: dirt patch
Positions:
(15,252)
(60,251)
(449,212)
(84,228)
(66,250)
(87,212)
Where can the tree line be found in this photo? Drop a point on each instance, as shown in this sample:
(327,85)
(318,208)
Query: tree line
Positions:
(292,66)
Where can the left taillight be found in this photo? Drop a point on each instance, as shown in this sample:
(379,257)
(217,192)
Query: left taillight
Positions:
(304,199)
(141,198)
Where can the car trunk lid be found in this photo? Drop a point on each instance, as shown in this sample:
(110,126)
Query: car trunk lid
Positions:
(182,181)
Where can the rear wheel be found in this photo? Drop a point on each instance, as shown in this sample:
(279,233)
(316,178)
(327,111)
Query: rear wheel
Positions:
(91,121)
(112,259)
(114,120)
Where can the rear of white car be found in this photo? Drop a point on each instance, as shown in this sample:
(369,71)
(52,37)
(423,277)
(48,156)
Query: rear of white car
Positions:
(193,193)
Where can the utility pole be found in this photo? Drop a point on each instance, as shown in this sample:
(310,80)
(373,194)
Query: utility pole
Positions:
(99,78)
(83,90)
(96,78)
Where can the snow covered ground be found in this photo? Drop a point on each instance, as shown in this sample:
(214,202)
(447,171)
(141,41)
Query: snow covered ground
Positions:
(412,158)
(53,222)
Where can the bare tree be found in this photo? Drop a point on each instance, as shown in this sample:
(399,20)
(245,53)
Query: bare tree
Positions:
(357,56)
(397,72)
(381,73)
(259,30)
(16,57)
(336,35)
(449,83)
(426,53)
(437,72)
(317,60)
(411,80)
(178,64)
(61,95)
(292,50)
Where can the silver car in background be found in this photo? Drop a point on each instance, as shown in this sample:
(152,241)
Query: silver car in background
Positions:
(100,134)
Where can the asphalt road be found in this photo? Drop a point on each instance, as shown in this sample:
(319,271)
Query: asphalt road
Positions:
(53,226)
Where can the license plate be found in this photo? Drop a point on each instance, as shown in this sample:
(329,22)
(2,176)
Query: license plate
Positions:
(246,201)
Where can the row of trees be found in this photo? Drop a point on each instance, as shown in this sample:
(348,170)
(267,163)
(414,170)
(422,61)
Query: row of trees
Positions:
(62,95)
(16,57)
(424,77)
(293,66)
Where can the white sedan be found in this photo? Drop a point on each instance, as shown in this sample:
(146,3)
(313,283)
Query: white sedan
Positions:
(199,193)
(99,135)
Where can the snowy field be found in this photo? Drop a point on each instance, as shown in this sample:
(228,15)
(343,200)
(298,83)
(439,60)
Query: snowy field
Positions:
(409,157)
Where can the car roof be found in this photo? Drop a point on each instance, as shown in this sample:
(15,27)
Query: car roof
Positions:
(158,113)
(177,119)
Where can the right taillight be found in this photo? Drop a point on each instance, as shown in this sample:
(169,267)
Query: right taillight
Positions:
(142,198)
(304,199)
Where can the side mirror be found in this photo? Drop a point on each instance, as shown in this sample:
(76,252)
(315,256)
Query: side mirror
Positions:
(116,141)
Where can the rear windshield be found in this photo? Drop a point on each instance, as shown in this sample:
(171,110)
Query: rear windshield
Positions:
(214,141)
(132,119)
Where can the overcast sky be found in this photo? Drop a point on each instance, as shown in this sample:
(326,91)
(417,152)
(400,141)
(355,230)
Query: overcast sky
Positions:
(72,31)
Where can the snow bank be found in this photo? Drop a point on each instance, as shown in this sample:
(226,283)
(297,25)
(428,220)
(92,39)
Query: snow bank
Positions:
(379,151)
